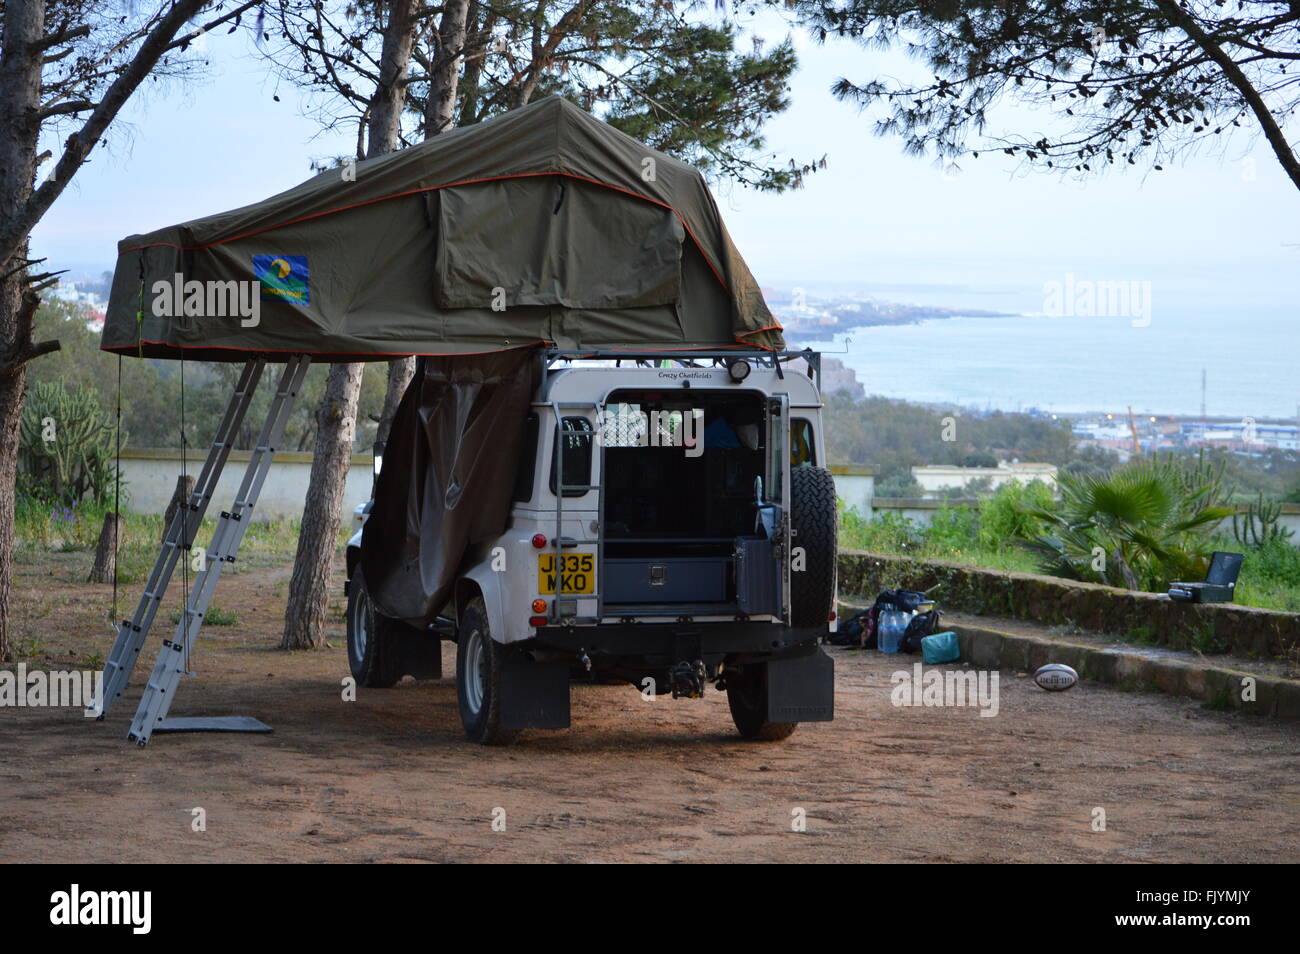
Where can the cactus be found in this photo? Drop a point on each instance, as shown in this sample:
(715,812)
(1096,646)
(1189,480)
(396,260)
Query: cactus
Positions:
(1258,525)
(78,460)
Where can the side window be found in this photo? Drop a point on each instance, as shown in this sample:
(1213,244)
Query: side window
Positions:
(803,451)
(527,461)
(574,449)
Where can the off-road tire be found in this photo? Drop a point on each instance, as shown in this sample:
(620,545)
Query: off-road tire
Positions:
(813,528)
(747,698)
(479,699)
(370,639)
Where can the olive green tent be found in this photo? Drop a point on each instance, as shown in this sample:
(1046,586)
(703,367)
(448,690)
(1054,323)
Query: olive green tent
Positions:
(541,226)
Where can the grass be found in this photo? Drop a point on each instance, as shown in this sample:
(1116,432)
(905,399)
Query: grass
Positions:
(1270,575)
(215,616)
(41,530)
(899,536)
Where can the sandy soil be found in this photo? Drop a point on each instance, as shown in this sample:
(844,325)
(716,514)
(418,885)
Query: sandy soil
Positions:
(391,778)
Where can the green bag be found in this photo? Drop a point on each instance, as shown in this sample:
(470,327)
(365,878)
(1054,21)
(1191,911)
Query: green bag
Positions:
(941,648)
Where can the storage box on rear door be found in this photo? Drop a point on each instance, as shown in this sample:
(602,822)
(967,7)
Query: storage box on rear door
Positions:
(757,583)
(672,580)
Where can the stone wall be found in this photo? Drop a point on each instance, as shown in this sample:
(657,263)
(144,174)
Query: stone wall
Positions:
(1142,617)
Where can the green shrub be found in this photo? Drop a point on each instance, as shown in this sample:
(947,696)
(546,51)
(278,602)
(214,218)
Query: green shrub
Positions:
(953,529)
(886,533)
(1011,514)
(66,446)
(1270,576)
(1143,526)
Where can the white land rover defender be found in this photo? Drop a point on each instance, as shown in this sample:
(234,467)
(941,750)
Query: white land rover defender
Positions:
(672,525)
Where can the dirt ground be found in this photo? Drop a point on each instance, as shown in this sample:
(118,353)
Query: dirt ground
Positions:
(390,777)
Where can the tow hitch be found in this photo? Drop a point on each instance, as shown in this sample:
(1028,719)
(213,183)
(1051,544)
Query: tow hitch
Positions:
(688,679)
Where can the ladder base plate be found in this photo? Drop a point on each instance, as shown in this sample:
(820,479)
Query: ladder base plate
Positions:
(212,724)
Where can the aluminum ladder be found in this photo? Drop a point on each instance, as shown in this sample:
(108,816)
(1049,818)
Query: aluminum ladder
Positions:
(229,533)
(185,523)
(174,653)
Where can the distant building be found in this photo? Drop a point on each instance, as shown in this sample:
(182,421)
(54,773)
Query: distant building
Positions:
(1245,434)
(934,478)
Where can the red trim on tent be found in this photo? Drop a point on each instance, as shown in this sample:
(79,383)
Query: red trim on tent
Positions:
(127,349)
(447,185)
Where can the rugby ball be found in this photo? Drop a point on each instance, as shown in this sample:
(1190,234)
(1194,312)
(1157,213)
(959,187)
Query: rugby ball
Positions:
(1056,677)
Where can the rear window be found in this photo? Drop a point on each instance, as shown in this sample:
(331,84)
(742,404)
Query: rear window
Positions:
(573,446)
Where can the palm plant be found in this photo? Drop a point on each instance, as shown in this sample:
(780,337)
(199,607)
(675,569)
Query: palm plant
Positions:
(1143,526)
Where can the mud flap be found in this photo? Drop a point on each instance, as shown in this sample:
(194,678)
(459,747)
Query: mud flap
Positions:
(534,695)
(801,689)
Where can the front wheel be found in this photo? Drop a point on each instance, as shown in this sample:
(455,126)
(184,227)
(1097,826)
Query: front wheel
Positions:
(479,660)
(747,697)
(370,644)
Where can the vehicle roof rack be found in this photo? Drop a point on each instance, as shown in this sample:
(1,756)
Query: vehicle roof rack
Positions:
(715,358)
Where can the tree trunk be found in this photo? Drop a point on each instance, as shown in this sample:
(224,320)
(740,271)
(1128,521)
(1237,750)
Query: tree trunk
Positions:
(390,94)
(104,569)
(336,418)
(20,89)
(23,48)
(439,116)
(180,497)
(480,23)
(12,386)
(440,107)
(336,422)
(400,372)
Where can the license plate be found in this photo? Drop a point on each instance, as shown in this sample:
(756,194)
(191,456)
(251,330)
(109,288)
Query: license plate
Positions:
(577,573)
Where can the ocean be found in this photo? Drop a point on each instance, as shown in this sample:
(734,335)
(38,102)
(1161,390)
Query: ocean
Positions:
(1250,353)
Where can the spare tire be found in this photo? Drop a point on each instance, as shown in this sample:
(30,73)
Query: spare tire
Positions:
(813,546)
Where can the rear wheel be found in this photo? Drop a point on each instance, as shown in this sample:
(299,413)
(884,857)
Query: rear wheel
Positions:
(747,697)
(370,650)
(813,541)
(479,660)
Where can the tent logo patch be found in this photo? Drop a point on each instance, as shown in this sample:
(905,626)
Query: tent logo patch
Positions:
(283,278)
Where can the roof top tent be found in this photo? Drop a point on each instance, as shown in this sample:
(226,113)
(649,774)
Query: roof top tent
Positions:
(541,226)
(543,229)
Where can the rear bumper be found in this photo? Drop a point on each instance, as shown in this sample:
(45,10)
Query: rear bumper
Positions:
(668,643)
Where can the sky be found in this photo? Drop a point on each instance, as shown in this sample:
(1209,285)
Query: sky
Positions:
(1214,229)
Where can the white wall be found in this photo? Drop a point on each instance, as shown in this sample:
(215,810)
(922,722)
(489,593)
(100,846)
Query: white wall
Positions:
(936,477)
(150,478)
(854,485)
